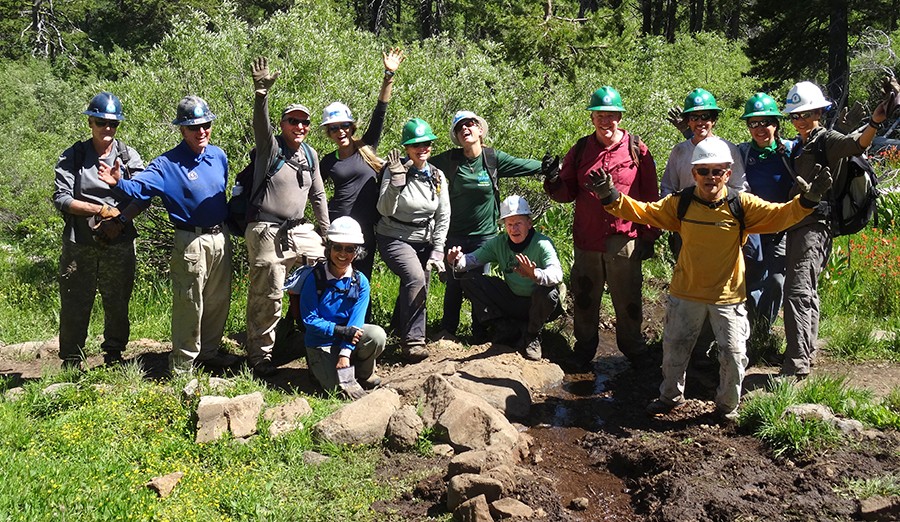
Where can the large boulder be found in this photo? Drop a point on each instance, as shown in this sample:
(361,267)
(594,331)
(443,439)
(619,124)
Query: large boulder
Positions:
(360,422)
(468,486)
(498,382)
(211,420)
(404,428)
(474,510)
(408,380)
(243,412)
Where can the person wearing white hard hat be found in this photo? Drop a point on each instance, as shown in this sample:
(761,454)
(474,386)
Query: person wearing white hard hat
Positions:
(473,171)
(286,176)
(708,281)
(354,166)
(333,300)
(528,295)
(809,242)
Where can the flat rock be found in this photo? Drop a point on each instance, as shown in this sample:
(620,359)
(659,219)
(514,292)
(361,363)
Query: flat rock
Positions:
(314,458)
(408,380)
(211,420)
(503,474)
(880,508)
(279,427)
(243,413)
(443,450)
(404,428)
(363,421)
(498,382)
(810,411)
(468,486)
(164,485)
(474,510)
(475,461)
(289,411)
(510,508)
(22,351)
(56,388)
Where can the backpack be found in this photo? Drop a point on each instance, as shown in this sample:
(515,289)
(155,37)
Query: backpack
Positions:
(240,203)
(293,284)
(734,205)
(853,204)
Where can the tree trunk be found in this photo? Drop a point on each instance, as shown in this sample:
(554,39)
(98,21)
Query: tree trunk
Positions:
(838,64)
(695,10)
(658,17)
(646,17)
(671,10)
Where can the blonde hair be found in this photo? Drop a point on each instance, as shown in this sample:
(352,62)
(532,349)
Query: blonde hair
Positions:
(368,155)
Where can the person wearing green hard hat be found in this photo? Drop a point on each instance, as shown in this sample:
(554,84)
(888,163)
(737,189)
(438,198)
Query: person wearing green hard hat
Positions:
(608,250)
(473,172)
(410,235)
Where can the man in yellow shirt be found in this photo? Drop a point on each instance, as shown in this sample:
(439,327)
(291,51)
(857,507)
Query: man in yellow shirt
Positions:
(708,280)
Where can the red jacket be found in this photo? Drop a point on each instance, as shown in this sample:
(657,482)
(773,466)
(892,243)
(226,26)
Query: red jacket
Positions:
(592,223)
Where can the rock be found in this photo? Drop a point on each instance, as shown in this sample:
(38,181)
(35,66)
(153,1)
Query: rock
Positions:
(191,389)
(404,428)
(542,374)
(880,508)
(211,420)
(219,385)
(510,508)
(521,452)
(579,504)
(57,388)
(279,427)
(443,450)
(314,459)
(14,394)
(810,411)
(408,381)
(474,510)
(289,411)
(504,475)
(501,385)
(467,421)
(243,413)
(360,422)
(474,462)
(468,486)
(22,351)
(164,485)
(849,427)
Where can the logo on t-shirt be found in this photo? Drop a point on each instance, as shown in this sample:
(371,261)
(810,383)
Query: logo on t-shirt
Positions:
(192,175)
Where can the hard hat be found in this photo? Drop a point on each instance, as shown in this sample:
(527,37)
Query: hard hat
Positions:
(416,130)
(514,206)
(761,104)
(462,116)
(711,150)
(192,110)
(336,112)
(105,105)
(700,100)
(345,229)
(606,99)
(805,96)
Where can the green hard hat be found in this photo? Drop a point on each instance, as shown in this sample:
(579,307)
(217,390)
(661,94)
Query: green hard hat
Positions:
(761,104)
(416,130)
(700,100)
(606,99)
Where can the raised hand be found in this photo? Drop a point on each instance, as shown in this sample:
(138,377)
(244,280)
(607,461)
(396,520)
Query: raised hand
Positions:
(393,58)
(550,167)
(262,79)
(601,184)
(815,189)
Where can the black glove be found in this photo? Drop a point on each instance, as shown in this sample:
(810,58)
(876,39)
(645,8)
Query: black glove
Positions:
(550,168)
(601,184)
(345,333)
(644,249)
(677,119)
(262,80)
(814,190)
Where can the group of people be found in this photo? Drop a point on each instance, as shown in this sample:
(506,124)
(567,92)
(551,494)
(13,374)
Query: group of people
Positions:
(426,214)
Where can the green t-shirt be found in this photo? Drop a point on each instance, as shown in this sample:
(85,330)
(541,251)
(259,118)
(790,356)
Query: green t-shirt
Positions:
(473,209)
(540,250)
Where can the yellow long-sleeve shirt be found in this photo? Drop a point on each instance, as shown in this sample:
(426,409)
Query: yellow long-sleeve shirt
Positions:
(710,268)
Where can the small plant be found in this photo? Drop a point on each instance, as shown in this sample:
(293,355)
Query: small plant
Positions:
(424,444)
(886,485)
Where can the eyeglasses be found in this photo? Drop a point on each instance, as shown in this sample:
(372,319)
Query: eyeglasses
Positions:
(195,128)
(297,121)
(465,123)
(106,123)
(347,249)
(761,123)
(420,145)
(705,116)
(805,115)
(338,126)
(716,173)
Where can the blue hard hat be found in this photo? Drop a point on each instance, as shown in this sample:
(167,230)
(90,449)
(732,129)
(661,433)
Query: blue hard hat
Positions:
(192,110)
(105,105)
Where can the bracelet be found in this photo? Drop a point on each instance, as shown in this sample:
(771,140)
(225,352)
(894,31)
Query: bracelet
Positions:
(389,73)
(874,125)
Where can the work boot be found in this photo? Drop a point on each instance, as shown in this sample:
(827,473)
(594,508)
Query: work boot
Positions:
(264,369)
(371,383)
(414,353)
(113,358)
(661,407)
(218,361)
(74,364)
(532,347)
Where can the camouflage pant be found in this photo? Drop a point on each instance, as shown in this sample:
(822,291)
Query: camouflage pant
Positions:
(83,271)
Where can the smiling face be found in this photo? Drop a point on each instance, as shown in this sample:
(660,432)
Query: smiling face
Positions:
(103,132)
(606,125)
(711,179)
(806,121)
(517,228)
(294,128)
(762,130)
(341,133)
(340,256)
(468,132)
(197,136)
(419,153)
(701,124)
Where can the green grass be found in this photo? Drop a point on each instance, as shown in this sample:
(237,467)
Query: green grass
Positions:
(86,453)
(886,486)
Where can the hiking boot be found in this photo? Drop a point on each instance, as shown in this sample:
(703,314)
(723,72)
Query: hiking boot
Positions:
(533,349)
(446,335)
(113,358)
(507,332)
(660,407)
(585,352)
(727,418)
(414,353)
(218,361)
(371,383)
(480,334)
(264,369)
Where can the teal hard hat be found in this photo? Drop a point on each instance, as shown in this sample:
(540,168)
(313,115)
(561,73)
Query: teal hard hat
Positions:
(416,130)
(761,104)
(192,110)
(700,100)
(606,99)
(105,105)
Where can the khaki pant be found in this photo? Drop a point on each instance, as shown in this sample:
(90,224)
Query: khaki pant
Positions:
(201,296)
(269,264)
(323,363)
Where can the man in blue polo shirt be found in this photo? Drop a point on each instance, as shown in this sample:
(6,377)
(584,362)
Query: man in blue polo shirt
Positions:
(190,180)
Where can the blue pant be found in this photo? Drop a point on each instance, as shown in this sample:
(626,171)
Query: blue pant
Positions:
(765,281)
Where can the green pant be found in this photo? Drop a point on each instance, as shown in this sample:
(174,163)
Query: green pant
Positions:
(323,364)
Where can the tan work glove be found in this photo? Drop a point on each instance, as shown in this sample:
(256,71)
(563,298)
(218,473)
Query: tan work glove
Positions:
(397,170)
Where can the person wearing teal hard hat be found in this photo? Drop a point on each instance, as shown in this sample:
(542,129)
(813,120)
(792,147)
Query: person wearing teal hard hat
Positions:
(410,235)
(608,251)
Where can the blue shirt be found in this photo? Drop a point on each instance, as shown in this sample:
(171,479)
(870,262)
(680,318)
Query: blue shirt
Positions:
(320,314)
(191,186)
(768,178)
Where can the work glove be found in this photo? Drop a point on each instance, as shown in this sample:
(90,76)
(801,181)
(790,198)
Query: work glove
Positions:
(397,170)
(601,184)
(107,212)
(262,80)
(435,261)
(821,182)
(108,229)
(345,333)
(550,168)
(677,119)
(850,118)
(643,249)
(891,89)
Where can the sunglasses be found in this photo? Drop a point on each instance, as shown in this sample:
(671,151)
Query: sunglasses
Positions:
(706,116)
(761,123)
(805,115)
(420,145)
(347,249)
(297,121)
(716,173)
(465,123)
(195,128)
(338,126)
(106,123)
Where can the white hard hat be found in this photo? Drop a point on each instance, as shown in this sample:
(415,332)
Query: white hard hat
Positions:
(711,150)
(466,115)
(346,230)
(514,206)
(805,96)
(336,112)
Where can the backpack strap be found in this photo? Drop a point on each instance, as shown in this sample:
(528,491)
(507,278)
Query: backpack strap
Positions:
(734,206)
(579,148)
(124,157)
(685,196)
(634,146)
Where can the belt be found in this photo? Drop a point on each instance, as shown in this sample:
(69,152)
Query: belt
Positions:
(215,229)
